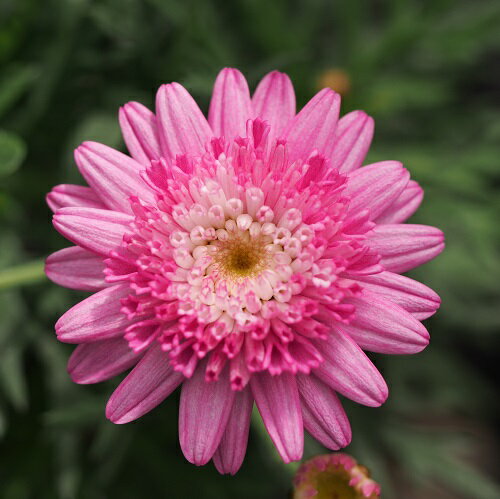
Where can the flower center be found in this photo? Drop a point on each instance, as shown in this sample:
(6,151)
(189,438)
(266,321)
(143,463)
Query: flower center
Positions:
(240,256)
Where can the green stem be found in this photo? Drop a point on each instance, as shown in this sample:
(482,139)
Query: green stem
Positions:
(26,273)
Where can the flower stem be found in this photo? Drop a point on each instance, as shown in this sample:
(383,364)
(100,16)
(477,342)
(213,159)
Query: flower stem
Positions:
(26,273)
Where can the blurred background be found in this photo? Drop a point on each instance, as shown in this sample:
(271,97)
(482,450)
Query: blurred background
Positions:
(429,73)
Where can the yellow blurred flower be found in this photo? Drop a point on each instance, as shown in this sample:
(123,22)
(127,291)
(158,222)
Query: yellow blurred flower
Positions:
(335,78)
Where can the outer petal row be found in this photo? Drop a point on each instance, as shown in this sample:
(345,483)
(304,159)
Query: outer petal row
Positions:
(146,386)
(352,140)
(314,126)
(181,125)
(274,101)
(76,268)
(232,448)
(375,187)
(96,318)
(140,132)
(230,107)
(324,416)
(347,370)
(382,326)
(405,246)
(64,195)
(99,361)
(404,206)
(113,176)
(409,294)
(203,415)
(277,399)
(98,231)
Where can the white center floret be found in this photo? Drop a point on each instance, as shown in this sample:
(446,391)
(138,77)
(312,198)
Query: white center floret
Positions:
(234,260)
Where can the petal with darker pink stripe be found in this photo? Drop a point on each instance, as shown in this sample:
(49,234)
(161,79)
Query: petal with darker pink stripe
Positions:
(113,176)
(347,370)
(95,362)
(274,102)
(404,206)
(64,195)
(96,318)
(324,416)
(140,133)
(231,106)
(203,415)
(76,268)
(182,128)
(413,296)
(232,448)
(352,140)
(99,231)
(150,382)
(375,187)
(277,398)
(380,325)
(313,128)
(405,246)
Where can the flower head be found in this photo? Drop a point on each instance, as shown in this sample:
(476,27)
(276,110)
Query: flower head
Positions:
(334,476)
(246,258)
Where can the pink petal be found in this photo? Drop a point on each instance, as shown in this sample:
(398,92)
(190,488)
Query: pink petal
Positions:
(324,416)
(274,102)
(404,206)
(72,195)
(347,370)
(405,246)
(277,399)
(353,137)
(376,186)
(76,268)
(230,107)
(182,127)
(114,176)
(382,326)
(96,318)
(232,448)
(203,415)
(139,132)
(413,296)
(99,361)
(150,382)
(314,127)
(99,231)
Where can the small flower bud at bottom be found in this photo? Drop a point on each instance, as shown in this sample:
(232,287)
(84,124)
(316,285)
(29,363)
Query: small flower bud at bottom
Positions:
(334,476)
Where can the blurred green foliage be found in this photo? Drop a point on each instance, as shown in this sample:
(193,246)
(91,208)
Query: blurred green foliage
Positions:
(428,71)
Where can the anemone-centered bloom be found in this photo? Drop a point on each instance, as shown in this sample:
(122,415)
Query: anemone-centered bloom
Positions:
(246,258)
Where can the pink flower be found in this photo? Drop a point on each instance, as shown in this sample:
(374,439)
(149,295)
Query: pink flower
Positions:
(246,258)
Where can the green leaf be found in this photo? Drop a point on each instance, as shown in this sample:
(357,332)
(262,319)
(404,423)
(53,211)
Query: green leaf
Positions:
(396,93)
(12,152)
(432,458)
(466,480)
(3,423)
(12,377)
(80,413)
(15,82)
